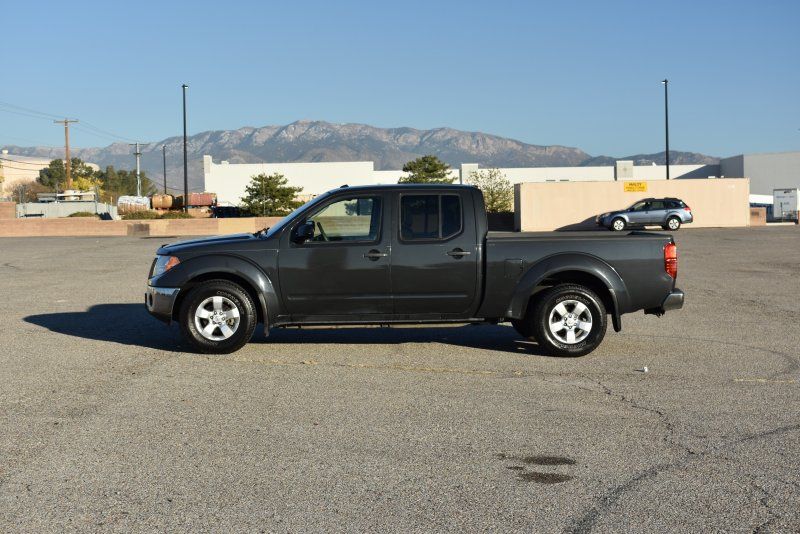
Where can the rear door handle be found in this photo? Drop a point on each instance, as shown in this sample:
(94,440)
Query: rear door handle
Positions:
(458,253)
(375,255)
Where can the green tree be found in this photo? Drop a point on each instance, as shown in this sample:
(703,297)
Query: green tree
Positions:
(426,170)
(498,193)
(56,173)
(270,196)
(116,183)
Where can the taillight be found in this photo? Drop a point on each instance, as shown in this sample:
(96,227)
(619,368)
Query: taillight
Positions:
(687,208)
(671,259)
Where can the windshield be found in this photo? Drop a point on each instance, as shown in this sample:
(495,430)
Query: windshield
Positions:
(283,222)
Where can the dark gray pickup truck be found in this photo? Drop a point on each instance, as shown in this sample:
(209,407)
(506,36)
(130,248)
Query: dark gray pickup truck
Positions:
(410,254)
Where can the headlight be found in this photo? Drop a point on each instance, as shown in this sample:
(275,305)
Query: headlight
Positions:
(164,264)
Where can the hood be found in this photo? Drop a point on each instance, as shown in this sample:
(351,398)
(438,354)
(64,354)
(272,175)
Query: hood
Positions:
(218,241)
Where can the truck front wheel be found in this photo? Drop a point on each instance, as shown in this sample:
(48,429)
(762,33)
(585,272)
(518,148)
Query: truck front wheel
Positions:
(217,317)
(569,320)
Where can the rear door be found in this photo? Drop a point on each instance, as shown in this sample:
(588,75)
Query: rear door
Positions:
(657,212)
(434,253)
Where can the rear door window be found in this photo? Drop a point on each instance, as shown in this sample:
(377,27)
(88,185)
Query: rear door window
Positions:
(429,217)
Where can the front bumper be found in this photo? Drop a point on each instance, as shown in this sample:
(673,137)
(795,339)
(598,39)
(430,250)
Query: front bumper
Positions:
(160,301)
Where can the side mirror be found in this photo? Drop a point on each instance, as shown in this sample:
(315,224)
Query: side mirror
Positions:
(304,232)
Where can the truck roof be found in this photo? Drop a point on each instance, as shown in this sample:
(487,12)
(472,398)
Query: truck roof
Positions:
(403,187)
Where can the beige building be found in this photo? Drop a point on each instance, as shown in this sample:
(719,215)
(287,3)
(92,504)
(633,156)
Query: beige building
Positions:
(541,207)
(16,169)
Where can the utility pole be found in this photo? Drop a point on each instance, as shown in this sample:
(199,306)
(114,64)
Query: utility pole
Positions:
(66,122)
(666,120)
(185,156)
(138,154)
(164,154)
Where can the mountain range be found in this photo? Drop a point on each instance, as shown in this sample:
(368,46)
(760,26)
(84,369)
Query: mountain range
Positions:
(314,141)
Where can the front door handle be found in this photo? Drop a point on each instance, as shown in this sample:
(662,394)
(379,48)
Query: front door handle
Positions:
(458,253)
(375,255)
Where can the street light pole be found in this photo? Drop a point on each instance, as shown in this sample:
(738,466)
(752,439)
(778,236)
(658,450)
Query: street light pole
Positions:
(164,154)
(666,120)
(185,156)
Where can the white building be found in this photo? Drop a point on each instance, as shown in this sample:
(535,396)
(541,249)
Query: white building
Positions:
(623,170)
(228,180)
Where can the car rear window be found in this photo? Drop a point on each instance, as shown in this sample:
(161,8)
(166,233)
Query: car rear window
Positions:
(426,217)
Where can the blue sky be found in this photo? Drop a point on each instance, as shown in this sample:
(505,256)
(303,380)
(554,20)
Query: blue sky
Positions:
(583,74)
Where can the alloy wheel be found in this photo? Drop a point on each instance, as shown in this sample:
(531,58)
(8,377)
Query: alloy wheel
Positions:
(217,318)
(570,321)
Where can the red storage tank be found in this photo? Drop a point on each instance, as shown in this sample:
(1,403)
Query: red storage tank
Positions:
(201,199)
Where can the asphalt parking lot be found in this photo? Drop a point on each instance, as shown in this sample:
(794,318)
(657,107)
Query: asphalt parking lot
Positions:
(106,424)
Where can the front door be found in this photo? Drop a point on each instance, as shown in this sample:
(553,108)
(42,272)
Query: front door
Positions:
(637,214)
(344,269)
(434,254)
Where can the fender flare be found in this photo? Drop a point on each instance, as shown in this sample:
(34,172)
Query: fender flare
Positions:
(557,263)
(191,268)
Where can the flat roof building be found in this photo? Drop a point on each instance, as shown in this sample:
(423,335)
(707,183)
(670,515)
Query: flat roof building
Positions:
(16,169)
(767,171)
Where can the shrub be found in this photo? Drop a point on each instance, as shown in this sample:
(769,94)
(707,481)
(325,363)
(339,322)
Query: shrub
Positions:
(175,215)
(140,215)
(82,214)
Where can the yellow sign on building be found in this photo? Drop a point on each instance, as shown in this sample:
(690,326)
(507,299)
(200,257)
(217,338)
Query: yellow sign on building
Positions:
(635,187)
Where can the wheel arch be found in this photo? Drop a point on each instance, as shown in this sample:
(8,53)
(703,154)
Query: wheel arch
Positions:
(195,271)
(583,269)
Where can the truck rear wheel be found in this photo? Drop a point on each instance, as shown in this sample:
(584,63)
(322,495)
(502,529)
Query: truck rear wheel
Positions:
(218,317)
(569,320)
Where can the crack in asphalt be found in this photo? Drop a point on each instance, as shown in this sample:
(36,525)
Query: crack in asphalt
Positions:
(792,361)
(764,501)
(586,522)
(669,439)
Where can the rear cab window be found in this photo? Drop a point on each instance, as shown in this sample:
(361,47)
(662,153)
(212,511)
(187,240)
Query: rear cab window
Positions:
(430,217)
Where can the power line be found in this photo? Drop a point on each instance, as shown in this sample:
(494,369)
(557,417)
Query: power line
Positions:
(93,127)
(48,115)
(28,112)
(25,114)
(18,161)
(17,168)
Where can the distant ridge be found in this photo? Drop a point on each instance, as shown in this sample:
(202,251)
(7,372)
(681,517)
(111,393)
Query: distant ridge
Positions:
(313,141)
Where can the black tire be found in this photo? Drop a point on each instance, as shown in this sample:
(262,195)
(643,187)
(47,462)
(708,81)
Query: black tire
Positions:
(232,295)
(676,224)
(524,327)
(556,343)
(618,225)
